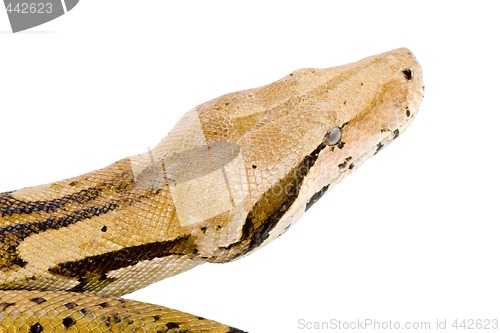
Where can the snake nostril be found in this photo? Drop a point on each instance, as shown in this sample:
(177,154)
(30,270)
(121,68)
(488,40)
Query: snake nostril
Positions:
(407,73)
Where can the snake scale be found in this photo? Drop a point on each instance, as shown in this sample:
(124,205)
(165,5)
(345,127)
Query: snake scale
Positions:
(233,174)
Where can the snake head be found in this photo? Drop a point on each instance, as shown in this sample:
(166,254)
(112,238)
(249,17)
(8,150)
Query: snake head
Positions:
(375,100)
(259,158)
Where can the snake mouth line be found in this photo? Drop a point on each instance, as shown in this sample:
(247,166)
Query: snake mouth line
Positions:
(393,134)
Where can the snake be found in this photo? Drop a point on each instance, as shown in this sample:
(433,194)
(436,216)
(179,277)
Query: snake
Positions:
(232,175)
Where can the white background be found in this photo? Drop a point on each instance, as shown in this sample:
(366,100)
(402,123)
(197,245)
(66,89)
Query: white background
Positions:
(412,235)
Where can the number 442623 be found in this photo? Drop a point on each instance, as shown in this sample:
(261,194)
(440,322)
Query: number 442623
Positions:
(30,8)
(476,324)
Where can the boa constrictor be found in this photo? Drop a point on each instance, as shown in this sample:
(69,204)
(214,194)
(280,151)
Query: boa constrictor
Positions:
(234,173)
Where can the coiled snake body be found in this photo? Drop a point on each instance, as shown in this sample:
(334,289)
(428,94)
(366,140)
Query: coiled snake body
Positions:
(233,174)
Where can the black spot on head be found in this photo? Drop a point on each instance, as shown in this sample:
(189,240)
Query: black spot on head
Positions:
(407,73)
(343,165)
(156,318)
(379,147)
(73,183)
(408,113)
(171,325)
(38,300)
(203,229)
(396,133)
(68,321)
(316,197)
(351,166)
(254,166)
(104,228)
(36,328)
(341,145)
(104,305)
(70,305)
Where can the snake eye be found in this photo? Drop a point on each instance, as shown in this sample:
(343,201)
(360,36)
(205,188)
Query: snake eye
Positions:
(333,136)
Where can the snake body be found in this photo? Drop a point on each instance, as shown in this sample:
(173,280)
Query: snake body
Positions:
(234,173)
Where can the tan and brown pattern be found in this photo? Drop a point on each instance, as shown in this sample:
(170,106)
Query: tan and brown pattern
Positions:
(235,173)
